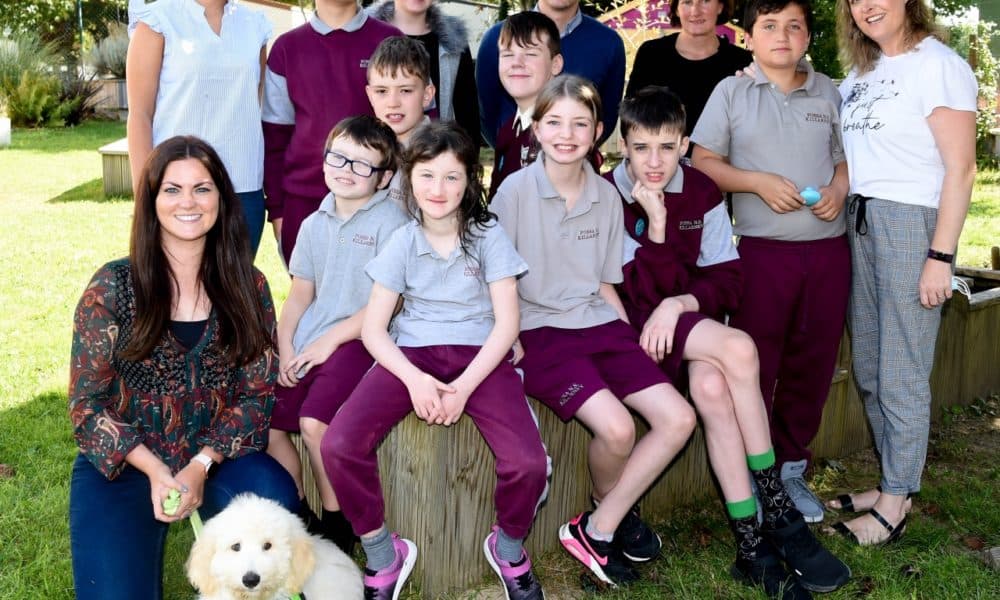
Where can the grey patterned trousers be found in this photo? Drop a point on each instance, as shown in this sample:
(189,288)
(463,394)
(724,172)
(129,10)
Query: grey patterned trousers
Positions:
(893,336)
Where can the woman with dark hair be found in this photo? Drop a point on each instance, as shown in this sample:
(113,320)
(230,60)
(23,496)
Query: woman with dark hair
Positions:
(171,377)
(909,129)
(691,62)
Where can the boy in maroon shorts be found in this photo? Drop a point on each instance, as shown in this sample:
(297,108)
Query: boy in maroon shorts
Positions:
(321,354)
(685,269)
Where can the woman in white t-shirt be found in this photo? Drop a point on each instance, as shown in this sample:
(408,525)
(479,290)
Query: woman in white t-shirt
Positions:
(195,67)
(908,122)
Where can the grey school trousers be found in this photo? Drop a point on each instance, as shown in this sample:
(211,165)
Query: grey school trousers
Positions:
(893,336)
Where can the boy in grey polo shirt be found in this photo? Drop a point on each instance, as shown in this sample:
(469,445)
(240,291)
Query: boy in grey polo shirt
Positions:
(766,138)
(321,357)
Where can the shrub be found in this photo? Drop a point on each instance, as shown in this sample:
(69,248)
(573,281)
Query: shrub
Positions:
(35,100)
(108,56)
(76,100)
(22,53)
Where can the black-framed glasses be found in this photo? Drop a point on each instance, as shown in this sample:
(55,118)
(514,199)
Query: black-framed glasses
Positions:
(358,167)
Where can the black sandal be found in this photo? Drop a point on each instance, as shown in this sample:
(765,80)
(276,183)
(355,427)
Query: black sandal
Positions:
(847,501)
(895,532)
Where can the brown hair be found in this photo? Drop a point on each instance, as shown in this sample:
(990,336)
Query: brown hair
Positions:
(226,265)
(371,133)
(568,86)
(401,54)
(727,8)
(527,28)
(653,108)
(861,52)
(432,140)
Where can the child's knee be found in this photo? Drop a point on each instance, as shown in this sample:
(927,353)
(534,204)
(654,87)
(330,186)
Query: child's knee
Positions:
(530,467)
(335,445)
(683,420)
(710,393)
(312,430)
(739,354)
(618,434)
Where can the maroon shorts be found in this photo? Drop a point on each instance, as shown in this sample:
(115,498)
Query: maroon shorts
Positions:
(564,367)
(323,390)
(673,364)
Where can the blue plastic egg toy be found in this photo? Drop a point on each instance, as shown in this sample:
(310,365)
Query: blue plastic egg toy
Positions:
(811,195)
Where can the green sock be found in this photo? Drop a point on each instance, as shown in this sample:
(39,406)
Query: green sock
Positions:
(741,509)
(759,462)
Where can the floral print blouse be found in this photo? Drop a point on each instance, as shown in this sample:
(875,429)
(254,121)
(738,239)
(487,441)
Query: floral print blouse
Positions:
(176,400)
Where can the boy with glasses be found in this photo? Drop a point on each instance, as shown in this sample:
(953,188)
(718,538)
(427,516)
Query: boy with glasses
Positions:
(319,333)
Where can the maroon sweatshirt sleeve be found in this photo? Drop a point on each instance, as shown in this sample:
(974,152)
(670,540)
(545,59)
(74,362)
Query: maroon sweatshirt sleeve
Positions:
(276,140)
(718,288)
(653,274)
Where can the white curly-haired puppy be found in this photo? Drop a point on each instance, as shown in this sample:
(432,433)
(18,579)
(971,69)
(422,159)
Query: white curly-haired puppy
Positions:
(256,550)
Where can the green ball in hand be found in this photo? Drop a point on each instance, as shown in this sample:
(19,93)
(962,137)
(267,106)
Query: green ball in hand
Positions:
(172,503)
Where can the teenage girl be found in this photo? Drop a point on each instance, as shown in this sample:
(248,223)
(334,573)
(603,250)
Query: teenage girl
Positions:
(581,357)
(457,274)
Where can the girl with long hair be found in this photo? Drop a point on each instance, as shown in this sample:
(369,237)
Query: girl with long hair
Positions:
(456,273)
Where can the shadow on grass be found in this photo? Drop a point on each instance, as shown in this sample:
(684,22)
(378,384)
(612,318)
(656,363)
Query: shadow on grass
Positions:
(91,191)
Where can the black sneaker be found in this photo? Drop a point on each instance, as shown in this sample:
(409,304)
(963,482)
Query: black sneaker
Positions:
(637,540)
(768,573)
(816,568)
(602,558)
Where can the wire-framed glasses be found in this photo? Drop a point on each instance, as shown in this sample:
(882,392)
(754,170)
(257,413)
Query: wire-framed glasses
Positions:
(358,167)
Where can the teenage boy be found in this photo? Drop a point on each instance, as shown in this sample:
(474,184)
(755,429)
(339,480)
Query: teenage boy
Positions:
(529,58)
(314,78)
(686,271)
(766,138)
(321,355)
(590,49)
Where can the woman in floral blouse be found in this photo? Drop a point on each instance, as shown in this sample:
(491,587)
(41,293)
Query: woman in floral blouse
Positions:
(171,376)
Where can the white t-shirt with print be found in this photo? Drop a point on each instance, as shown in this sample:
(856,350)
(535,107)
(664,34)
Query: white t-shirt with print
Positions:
(891,153)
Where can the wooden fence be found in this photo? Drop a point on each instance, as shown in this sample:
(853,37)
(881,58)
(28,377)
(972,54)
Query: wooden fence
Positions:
(439,482)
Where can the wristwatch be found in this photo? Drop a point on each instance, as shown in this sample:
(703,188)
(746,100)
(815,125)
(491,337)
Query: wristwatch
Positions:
(205,461)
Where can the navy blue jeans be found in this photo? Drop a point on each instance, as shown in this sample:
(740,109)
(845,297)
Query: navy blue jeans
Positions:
(253,212)
(116,543)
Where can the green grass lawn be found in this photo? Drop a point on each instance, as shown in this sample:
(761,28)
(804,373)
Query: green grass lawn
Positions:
(60,229)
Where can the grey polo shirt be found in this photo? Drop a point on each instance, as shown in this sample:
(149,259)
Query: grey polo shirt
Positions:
(570,253)
(446,301)
(332,253)
(797,136)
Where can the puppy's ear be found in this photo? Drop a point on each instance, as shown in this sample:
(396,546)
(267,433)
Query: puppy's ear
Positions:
(199,563)
(303,560)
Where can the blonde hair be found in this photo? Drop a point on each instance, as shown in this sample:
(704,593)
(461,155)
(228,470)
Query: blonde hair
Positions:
(568,86)
(861,52)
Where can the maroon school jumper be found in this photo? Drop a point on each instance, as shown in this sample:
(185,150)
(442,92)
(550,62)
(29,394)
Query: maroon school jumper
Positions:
(514,151)
(326,77)
(660,271)
(670,269)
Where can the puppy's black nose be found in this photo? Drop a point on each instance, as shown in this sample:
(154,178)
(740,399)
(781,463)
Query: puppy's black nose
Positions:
(251,579)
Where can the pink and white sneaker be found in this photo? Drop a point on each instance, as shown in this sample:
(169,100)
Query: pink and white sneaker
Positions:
(387,583)
(518,581)
(605,560)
